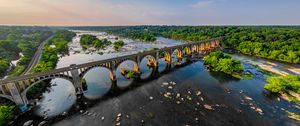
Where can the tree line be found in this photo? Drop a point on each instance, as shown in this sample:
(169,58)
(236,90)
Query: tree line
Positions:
(87,41)
(272,42)
(13,41)
(58,44)
(19,39)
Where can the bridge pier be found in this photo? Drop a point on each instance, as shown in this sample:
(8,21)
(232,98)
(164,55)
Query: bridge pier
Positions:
(76,81)
(20,101)
(114,86)
(9,87)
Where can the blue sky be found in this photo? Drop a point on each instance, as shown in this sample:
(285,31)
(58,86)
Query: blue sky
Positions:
(140,12)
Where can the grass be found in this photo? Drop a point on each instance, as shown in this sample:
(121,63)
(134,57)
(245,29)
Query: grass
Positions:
(293,115)
(247,76)
(268,73)
(16,71)
(292,98)
(6,113)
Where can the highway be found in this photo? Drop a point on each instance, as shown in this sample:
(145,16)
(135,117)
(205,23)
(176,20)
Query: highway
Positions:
(36,57)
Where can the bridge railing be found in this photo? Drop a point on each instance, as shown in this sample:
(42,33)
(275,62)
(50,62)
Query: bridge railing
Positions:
(66,69)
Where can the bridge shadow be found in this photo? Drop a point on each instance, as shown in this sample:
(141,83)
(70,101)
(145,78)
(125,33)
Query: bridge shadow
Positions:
(85,103)
(223,78)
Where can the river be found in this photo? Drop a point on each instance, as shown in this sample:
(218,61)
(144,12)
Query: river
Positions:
(223,100)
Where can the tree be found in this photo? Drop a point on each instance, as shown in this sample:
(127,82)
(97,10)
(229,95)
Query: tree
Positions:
(6,113)
(97,44)
(118,44)
(282,83)
(4,65)
(217,61)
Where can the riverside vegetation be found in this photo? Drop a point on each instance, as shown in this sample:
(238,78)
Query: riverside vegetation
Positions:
(217,61)
(118,44)
(16,40)
(288,87)
(57,44)
(272,42)
(87,41)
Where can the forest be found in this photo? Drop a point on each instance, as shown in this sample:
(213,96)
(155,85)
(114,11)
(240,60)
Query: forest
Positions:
(16,40)
(90,40)
(273,42)
(58,44)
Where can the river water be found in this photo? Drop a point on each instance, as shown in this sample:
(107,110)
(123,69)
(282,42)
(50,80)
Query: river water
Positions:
(223,100)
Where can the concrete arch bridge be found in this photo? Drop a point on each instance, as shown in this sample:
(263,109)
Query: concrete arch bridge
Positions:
(15,89)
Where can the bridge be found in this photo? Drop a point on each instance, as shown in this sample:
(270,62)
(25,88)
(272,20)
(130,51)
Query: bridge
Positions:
(15,89)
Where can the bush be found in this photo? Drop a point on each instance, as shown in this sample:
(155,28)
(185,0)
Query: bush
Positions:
(282,83)
(4,65)
(6,113)
(217,61)
(118,44)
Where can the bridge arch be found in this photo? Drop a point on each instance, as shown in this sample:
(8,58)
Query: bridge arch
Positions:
(202,46)
(24,92)
(178,53)
(187,50)
(151,60)
(8,97)
(87,69)
(96,82)
(112,76)
(217,42)
(166,55)
(123,69)
(195,48)
(148,65)
(213,44)
(207,46)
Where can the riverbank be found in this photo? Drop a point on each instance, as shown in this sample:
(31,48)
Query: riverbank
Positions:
(271,68)
(187,96)
(207,96)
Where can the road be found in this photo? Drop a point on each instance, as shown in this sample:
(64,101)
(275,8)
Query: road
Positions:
(36,57)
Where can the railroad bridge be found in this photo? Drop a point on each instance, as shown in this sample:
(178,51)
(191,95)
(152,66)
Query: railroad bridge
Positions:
(15,89)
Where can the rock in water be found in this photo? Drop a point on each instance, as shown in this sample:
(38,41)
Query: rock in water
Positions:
(119,115)
(151,98)
(198,93)
(42,123)
(165,84)
(28,123)
(207,107)
(248,98)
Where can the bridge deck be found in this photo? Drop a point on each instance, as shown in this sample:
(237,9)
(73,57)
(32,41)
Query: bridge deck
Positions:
(66,69)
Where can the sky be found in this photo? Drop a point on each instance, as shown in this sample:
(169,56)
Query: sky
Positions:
(149,12)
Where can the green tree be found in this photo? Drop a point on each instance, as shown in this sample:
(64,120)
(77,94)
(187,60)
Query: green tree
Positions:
(4,65)
(118,44)
(6,113)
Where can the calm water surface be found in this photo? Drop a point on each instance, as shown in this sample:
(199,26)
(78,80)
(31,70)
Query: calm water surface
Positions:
(234,100)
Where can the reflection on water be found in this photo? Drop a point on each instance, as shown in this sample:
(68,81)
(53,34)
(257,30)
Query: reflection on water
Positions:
(60,99)
(98,82)
(162,65)
(63,95)
(232,102)
(222,77)
(122,81)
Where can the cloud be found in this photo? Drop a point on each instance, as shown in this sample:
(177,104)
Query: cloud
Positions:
(203,3)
